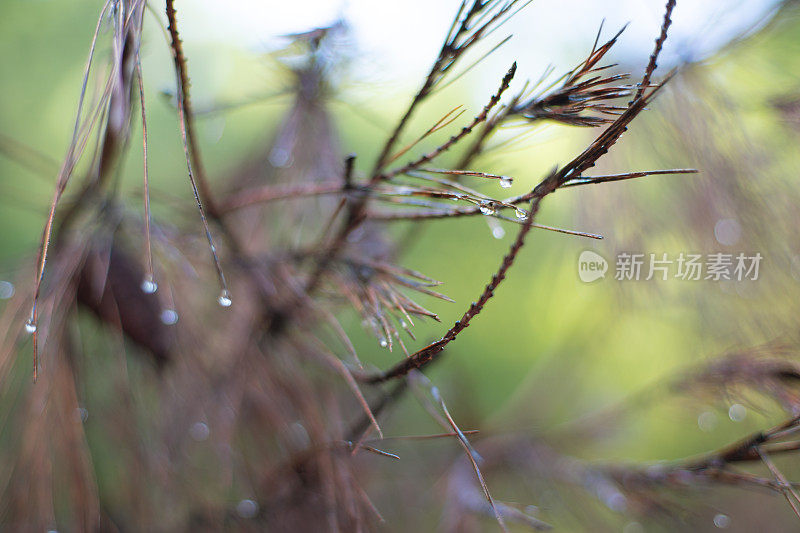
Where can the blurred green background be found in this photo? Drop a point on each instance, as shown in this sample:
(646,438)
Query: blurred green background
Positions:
(549,348)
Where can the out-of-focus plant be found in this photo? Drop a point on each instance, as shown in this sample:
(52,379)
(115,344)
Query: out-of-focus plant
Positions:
(292,237)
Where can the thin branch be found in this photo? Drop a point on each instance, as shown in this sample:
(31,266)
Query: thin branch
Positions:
(651,65)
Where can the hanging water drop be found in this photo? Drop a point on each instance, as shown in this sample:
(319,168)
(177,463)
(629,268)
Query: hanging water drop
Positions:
(722,521)
(505,182)
(199,431)
(149,286)
(30,326)
(487,207)
(383,342)
(521,214)
(247,508)
(224,298)
(169,317)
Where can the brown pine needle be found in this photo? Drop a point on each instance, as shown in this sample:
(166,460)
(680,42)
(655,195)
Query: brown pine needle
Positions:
(471,454)
(182,93)
(348,377)
(61,184)
(466,130)
(626,176)
(786,488)
(441,123)
(148,251)
(468,173)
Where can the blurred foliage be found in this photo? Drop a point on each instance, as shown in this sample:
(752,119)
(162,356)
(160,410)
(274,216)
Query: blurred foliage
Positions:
(550,348)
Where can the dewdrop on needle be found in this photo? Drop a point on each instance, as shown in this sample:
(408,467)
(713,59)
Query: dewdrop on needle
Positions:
(224,298)
(487,207)
(30,326)
(505,182)
(149,286)
(521,215)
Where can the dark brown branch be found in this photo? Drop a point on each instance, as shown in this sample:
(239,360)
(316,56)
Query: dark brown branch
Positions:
(184,101)
(651,65)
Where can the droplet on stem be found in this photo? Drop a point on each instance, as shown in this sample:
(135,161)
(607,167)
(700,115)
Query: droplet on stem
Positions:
(247,508)
(224,298)
(722,521)
(383,342)
(487,207)
(505,182)
(30,327)
(199,431)
(149,286)
(169,317)
(521,214)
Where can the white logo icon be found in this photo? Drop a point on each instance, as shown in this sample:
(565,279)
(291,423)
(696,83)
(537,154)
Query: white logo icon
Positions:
(591,266)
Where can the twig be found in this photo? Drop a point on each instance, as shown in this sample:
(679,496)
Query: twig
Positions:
(651,65)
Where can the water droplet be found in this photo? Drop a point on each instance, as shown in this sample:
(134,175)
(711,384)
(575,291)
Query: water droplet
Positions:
(6,290)
(169,317)
(199,431)
(247,508)
(521,214)
(224,298)
(487,207)
(707,421)
(403,324)
(30,327)
(737,412)
(149,286)
(383,342)
(498,232)
(722,521)
(505,182)
(456,197)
